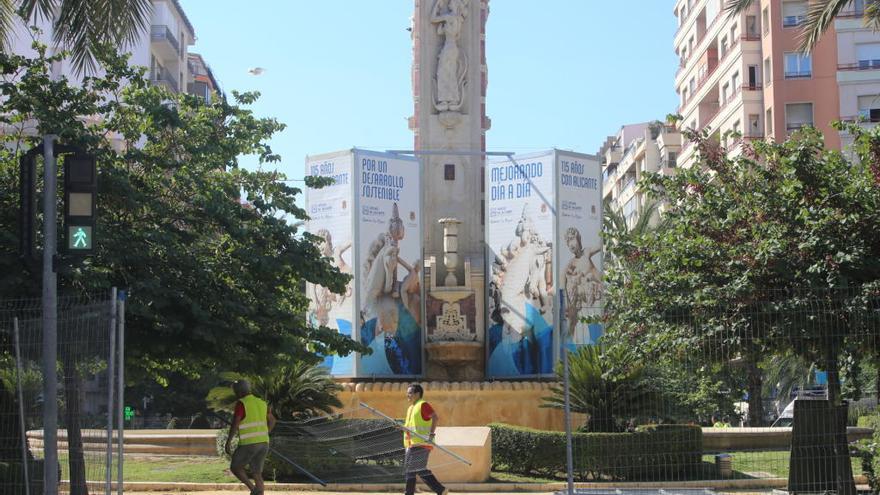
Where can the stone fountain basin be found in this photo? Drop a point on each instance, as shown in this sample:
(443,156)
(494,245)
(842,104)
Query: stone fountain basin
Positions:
(455,351)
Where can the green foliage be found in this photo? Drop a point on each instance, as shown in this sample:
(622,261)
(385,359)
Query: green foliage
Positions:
(659,452)
(608,384)
(774,252)
(294,391)
(212,265)
(871,421)
(869,452)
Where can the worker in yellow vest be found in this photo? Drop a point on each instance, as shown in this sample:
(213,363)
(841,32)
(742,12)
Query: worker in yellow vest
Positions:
(252,422)
(418,436)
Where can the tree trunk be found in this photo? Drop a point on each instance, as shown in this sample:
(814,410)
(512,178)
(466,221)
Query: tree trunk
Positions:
(76,454)
(756,399)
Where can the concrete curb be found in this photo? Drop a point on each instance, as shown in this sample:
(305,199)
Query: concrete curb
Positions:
(744,484)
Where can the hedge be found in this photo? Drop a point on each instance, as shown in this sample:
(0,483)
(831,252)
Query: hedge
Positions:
(651,453)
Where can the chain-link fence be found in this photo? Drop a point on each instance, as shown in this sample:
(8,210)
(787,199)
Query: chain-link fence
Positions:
(777,389)
(87,376)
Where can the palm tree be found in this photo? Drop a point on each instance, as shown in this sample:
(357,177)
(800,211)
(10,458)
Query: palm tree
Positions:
(294,391)
(609,385)
(81,26)
(819,17)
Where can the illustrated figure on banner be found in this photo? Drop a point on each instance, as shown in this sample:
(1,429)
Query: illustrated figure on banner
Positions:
(385,297)
(449,16)
(324,299)
(521,294)
(582,282)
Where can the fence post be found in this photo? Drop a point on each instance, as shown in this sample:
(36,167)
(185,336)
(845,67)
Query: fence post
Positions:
(120,395)
(111,373)
(569,456)
(24,445)
(50,319)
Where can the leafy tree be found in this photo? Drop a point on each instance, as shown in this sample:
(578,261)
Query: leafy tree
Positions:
(294,391)
(212,266)
(774,250)
(609,385)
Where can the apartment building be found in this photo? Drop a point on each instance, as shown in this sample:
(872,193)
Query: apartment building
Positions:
(201,79)
(626,156)
(746,74)
(858,69)
(162,47)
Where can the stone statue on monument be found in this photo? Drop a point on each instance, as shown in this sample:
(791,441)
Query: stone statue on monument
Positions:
(449,16)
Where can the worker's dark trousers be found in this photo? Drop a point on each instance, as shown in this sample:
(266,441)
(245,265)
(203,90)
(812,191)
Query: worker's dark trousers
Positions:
(415,463)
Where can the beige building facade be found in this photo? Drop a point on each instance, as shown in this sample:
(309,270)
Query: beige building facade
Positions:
(162,47)
(742,78)
(636,149)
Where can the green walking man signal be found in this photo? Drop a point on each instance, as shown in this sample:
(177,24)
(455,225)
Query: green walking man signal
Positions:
(80,193)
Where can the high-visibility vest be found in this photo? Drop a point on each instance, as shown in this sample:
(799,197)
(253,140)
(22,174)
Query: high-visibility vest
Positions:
(416,423)
(254,429)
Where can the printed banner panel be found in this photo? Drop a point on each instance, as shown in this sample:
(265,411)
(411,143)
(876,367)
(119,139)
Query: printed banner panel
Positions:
(390,252)
(580,246)
(330,212)
(519,234)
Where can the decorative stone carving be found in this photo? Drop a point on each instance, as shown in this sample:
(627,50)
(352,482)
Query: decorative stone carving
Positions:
(450,249)
(451,75)
(451,324)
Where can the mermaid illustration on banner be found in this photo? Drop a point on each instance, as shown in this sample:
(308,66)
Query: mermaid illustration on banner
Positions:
(391,309)
(520,305)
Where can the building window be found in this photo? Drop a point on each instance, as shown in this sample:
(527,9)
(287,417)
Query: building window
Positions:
(765,20)
(798,65)
(767,72)
(868,55)
(724,93)
(734,82)
(734,33)
(754,125)
(630,209)
(671,159)
(723,47)
(693,85)
(449,171)
(798,115)
(794,13)
(769,121)
(869,108)
(751,26)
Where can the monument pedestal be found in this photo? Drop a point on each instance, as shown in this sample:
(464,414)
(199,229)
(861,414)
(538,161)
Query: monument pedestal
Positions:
(454,323)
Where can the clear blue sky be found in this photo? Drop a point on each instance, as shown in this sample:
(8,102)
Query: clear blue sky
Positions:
(562,73)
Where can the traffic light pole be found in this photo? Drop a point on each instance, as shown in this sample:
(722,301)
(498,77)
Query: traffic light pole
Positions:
(50,319)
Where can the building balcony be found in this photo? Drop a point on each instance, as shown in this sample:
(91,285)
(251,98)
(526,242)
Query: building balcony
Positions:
(164,42)
(704,79)
(861,65)
(801,74)
(796,126)
(162,77)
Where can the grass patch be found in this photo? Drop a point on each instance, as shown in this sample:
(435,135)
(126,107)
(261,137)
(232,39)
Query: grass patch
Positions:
(179,469)
(503,477)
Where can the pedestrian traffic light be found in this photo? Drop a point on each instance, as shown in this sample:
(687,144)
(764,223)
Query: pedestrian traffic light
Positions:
(80,192)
